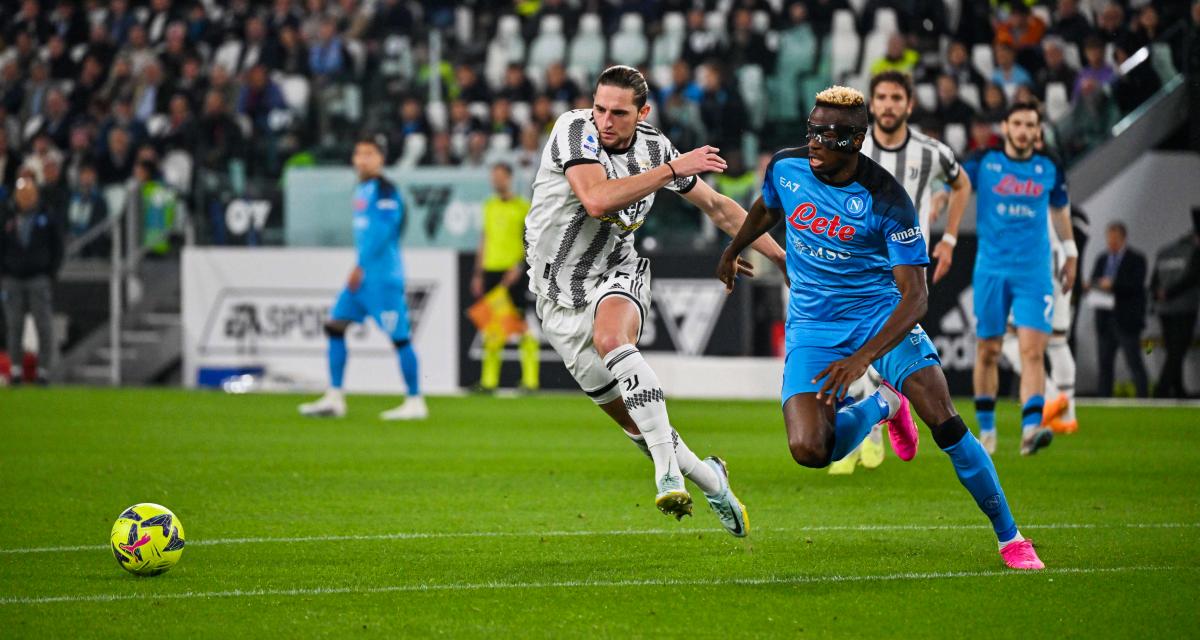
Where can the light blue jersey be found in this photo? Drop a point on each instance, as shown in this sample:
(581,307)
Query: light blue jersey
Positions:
(378,214)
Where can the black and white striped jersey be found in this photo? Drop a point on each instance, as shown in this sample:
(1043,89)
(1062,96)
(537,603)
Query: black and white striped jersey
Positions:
(920,164)
(569,252)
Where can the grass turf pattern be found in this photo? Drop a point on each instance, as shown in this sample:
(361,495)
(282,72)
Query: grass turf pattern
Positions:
(534,516)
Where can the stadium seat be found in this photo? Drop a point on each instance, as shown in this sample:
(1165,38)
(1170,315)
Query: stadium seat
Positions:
(714,22)
(548,47)
(668,46)
(970,95)
(177,171)
(156,124)
(506,48)
(761,22)
(842,51)
(956,138)
(115,196)
(397,59)
(228,54)
(1057,101)
(1071,55)
(586,53)
(927,96)
(500,143)
(481,110)
(886,21)
(660,75)
(295,92)
(458,144)
(981,57)
(414,150)
(522,113)
(953,14)
(752,86)
(1043,12)
(874,48)
(464,25)
(628,45)
(437,115)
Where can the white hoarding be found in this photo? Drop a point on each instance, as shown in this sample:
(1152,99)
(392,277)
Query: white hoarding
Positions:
(265,307)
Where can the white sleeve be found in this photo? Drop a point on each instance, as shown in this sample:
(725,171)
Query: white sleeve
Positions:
(574,140)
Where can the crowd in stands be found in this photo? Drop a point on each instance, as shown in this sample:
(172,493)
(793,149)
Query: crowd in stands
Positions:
(204,95)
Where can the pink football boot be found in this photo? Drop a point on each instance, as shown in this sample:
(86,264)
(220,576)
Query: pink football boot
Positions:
(1020,555)
(901,428)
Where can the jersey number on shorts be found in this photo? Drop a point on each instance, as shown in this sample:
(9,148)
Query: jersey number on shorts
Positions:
(389,320)
(1049,312)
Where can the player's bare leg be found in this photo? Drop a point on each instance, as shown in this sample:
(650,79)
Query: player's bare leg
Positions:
(332,404)
(818,435)
(929,394)
(987,382)
(615,333)
(1034,436)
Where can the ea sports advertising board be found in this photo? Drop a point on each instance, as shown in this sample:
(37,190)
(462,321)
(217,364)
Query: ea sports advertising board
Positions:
(265,308)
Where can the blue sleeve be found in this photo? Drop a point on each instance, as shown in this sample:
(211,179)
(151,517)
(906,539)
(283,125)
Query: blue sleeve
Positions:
(971,167)
(1058,193)
(902,231)
(769,195)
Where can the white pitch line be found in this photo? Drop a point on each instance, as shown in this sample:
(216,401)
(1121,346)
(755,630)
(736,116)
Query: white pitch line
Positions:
(572,584)
(866,528)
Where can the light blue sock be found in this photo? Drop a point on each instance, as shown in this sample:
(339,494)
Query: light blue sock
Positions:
(977,473)
(1031,413)
(337,360)
(408,367)
(985,412)
(854,422)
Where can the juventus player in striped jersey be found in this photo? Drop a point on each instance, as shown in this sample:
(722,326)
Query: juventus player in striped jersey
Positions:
(597,180)
(921,165)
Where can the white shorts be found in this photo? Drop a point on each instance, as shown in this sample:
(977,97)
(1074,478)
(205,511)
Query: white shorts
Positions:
(570,331)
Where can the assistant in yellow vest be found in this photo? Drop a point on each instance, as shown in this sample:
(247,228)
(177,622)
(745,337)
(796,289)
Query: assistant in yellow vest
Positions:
(500,262)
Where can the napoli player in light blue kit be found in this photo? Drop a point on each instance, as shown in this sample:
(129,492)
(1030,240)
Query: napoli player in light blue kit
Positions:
(1017,187)
(856,263)
(375,288)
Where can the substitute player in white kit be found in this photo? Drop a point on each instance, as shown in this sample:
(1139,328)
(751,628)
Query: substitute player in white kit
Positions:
(597,180)
(921,165)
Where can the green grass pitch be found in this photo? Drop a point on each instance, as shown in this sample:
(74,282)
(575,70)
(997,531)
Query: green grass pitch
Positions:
(533,517)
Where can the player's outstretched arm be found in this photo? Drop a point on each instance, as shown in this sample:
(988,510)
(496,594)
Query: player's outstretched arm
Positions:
(914,300)
(759,221)
(601,196)
(960,195)
(729,217)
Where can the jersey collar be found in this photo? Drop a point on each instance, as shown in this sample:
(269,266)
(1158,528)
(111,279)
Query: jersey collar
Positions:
(907,137)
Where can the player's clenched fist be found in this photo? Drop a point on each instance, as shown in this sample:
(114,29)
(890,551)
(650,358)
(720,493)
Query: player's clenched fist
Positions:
(699,160)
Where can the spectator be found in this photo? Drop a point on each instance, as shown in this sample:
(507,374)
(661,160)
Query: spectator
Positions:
(239,56)
(958,65)
(560,87)
(327,56)
(461,121)
(995,103)
(12,129)
(120,21)
(10,161)
(31,252)
(1146,29)
(983,136)
(1090,121)
(180,131)
(746,46)
(1110,24)
(88,85)
(87,209)
(542,114)
(1008,74)
(1096,71)
(259,98)
(517,87)
(1056,69)
(56,118)
(54,193)
(12,88)
(470,87)
(412,122)
(138,48)
(175,51)
(681,121)
(721,110)
(220,80)
(150,93)
(58,59)
(529,151)
(191,83)
(897,57)
(440,152)
(292,57)
(1022,30)
(951,108)
(1069,23)
(68,23)
(1176,289)
(99,45)
(502,122)
(162,14)
(80,151)
(282,16)
(1120,276)
(36,90)
(220,138)
(701,44)
(116,162)
(41,149)
(681,83)
(477,146)
(120,80)
(122,116)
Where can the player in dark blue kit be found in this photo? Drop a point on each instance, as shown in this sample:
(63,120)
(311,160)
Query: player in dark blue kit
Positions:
(1018,187)
(856,262)
(375,288)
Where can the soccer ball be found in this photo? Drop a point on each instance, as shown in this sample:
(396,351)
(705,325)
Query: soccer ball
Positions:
(147,539)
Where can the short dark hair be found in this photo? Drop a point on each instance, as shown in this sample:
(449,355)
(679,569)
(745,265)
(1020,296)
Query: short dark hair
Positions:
(377,140)
(1119,226)
(504,166)
(1024,106)
(626,77)
(897,77)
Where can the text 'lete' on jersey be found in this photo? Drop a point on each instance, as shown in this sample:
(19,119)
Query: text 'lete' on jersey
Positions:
(842,239)
(570,252)
(378,214)
(1013,209)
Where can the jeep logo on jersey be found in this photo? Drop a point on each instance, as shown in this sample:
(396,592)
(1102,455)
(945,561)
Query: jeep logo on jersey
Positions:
(1011,186)
(908,236)
(804,218)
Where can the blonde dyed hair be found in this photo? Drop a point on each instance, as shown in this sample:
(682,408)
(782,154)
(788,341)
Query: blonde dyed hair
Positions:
(841,97)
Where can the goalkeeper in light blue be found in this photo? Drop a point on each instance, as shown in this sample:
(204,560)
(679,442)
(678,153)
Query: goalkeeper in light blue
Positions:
(375,288)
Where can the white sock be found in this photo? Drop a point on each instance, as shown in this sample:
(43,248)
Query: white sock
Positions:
(876,434)
(646,405)
(639,442)
(1062,370)
(690,464)
(892,399)
(1010,347)
(1017,538)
